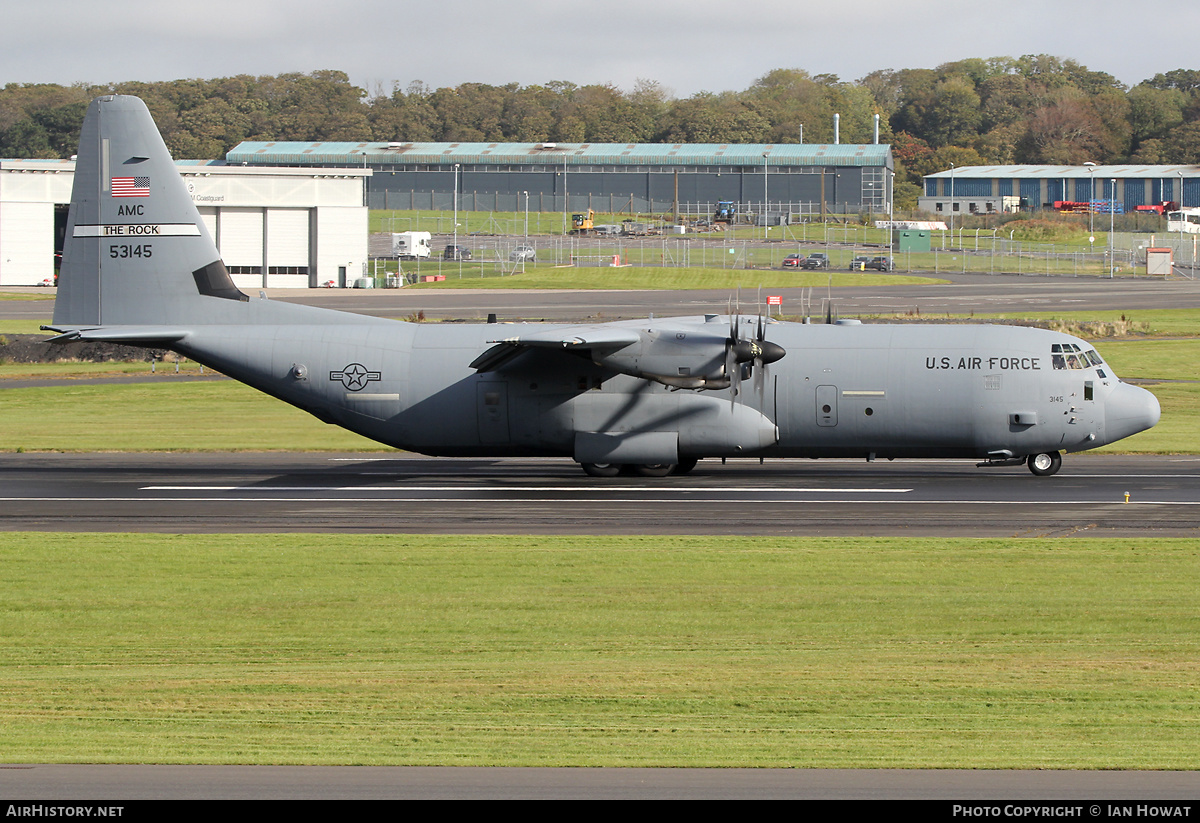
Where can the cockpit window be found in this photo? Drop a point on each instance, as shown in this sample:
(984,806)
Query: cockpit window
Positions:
(1071,356)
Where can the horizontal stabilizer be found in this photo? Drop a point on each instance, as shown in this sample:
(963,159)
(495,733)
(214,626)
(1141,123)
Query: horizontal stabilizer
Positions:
(129,335)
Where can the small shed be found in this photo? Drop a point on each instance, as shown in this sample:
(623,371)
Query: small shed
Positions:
(1159,260)
(913,240)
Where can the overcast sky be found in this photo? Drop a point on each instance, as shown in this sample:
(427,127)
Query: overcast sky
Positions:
(687,45)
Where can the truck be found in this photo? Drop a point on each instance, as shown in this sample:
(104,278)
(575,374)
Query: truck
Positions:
(409,245)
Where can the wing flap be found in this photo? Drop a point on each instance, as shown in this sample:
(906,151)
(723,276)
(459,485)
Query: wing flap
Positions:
(574,338)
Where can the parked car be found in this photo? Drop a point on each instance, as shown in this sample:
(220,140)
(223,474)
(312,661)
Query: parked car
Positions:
(880,264)
(523,254)
(793,261)
(816,260)
(457,253)
(860,263)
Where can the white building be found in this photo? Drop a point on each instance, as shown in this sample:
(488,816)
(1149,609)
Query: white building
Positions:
(1121,188)
(275,227)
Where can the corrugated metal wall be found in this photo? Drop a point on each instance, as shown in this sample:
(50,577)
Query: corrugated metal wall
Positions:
(843,189)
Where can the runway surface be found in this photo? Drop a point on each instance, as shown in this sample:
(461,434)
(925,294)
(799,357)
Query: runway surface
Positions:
(1089,790)
(406,493)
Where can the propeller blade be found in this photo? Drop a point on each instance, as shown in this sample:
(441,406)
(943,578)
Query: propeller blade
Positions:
(733,371)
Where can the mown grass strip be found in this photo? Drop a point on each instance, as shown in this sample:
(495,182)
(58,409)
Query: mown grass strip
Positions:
(673,279)
(67,369)
(165,415)
(600,651)
(12,295)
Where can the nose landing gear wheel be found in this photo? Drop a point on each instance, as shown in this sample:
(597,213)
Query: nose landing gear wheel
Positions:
(1046,464)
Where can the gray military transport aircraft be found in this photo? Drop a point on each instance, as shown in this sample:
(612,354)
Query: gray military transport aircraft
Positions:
(648,396)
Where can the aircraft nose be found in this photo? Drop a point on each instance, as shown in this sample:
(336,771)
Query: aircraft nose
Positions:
(1129,410)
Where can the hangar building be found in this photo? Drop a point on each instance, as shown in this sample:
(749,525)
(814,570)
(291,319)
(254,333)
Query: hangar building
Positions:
(995,189)
(275,227)
(611,177)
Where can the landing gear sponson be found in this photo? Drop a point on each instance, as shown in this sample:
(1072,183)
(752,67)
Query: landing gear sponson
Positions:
(1042,465)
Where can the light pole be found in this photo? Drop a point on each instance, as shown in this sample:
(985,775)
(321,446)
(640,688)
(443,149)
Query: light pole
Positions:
(1091,196)
(456,215)
(1091,167)
(952,204)
(1112,226)
(1180,207)
(891,211)
(766,221)
(526,217)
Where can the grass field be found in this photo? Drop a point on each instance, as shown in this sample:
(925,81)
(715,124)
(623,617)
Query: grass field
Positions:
(92,369)
(1152,322)
(10,295)
(472,224)
(25,326)
(589,651)
(166,415)
(634,277)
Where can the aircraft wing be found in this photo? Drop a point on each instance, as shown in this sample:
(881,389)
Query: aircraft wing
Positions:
(574,338)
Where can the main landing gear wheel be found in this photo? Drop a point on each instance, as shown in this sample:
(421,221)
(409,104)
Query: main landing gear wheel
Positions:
(652,469)
(638,469)
(685,465)
(1046,464)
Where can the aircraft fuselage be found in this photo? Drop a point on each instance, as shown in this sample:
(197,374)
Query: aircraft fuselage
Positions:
(844,390)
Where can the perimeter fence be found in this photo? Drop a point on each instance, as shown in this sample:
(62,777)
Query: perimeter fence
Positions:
(847,248)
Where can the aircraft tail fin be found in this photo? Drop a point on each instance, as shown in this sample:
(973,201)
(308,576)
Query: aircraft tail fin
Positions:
(136,250)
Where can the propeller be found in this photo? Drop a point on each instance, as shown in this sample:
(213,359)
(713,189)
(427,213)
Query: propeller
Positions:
(741,353)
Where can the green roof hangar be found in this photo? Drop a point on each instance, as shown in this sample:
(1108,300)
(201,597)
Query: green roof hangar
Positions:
(635,177)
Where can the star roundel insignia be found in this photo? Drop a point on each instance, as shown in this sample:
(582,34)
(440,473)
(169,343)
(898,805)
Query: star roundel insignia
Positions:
(355,377)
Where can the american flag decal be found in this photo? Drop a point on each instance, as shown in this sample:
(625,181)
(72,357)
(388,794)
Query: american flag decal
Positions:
(131,187)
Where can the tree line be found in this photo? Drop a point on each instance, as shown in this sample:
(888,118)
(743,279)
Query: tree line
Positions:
(1001,110)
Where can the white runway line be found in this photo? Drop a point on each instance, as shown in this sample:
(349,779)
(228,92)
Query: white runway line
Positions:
(560,489)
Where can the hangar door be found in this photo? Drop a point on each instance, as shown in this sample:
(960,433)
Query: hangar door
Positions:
(208,214)
(288,247)
(240,240)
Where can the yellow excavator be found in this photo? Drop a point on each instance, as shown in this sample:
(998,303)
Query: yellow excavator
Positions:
(583,223)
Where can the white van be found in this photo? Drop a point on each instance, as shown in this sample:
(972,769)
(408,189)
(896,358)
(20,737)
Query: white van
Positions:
(410,245)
